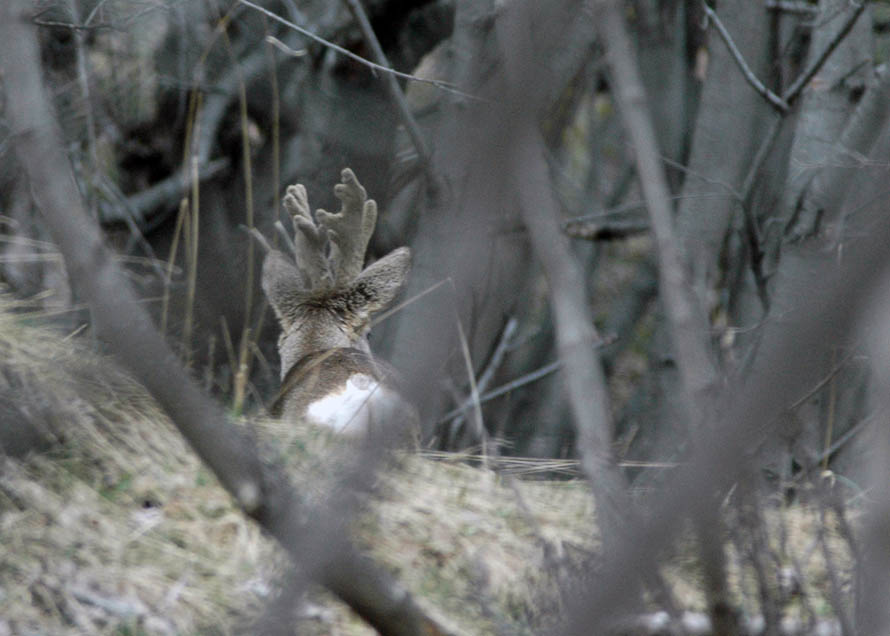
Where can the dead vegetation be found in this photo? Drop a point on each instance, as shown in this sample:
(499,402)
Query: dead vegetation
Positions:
(115,527)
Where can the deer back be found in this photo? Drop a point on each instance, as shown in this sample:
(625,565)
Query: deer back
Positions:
(344,389)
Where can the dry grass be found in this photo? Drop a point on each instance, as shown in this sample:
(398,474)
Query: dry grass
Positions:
(117,529)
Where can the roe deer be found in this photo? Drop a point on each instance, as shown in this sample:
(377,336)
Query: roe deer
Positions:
(324,301)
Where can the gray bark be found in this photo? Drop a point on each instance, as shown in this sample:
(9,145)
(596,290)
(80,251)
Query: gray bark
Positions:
(726,136)
(824,113)
(468,227)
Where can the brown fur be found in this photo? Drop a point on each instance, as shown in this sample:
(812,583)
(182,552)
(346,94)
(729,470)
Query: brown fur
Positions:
(324,300)
(316,374)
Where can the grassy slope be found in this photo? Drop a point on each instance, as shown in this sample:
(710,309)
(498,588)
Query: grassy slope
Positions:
(117,529)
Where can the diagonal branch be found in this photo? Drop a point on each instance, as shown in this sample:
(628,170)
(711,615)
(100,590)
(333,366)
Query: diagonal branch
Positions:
(688,329)
(445,86)
(576,336)
(794,91)
(833,299)
(779,103)
(687,319)
(391,85)
(320,547)
(784,102)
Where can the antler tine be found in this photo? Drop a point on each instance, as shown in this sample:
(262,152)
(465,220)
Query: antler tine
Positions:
(310,240)
(285,237)
(350,229)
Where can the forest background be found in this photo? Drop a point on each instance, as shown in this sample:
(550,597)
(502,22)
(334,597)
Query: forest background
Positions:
(654,232)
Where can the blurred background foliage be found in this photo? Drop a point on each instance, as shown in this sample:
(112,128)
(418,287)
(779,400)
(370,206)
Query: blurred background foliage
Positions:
(185,121)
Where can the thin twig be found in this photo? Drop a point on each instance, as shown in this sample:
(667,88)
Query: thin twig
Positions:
(758,556)
(780,104)
(391,85)
(752,227)
(784,102)
(171,262)
(72,26)
(413,299)
(519,382)
(481,432)
(528,378)
(846,532)
(760,157)
(245,351)
(94,11)
(797,87)
(284,235)
(835,588)
(494,363)
(445,86)
(191,251)
(112,191)
(284,48)
(487,374)
(818,387)
(844,439)
(618,210)
(625,208)
(83,81)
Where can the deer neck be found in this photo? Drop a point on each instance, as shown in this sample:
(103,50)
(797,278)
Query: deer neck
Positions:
(306,339)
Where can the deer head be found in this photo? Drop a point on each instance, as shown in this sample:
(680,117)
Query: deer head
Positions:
(324,300)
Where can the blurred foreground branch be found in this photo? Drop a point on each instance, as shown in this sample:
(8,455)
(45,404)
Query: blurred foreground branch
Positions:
(689,331)
(576,335)
(825,314)
(321,550)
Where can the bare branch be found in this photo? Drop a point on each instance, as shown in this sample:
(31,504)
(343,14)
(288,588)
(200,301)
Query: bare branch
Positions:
(688,331)
(794,91)
(391,85)
(575,333)
(779,103)
(445,86)
(752,227)
(528,378)
(485,377)
(832,184)
(166,192)
(324,553)
(284,48)
(784,102)
(833,297)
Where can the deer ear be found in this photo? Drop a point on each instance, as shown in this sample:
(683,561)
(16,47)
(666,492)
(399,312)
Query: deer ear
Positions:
(282,286)
(380,282)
